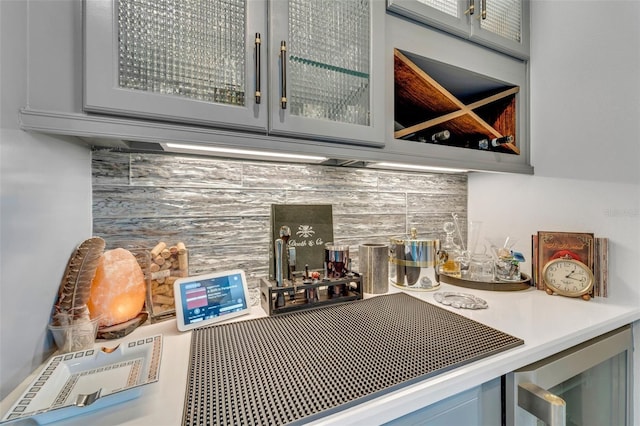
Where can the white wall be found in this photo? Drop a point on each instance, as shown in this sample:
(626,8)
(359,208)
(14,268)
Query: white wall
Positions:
(585,131)
(45,211)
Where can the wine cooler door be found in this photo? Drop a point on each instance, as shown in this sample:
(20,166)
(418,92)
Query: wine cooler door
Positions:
(589,384)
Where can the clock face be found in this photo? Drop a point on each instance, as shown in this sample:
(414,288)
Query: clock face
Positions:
(568,277)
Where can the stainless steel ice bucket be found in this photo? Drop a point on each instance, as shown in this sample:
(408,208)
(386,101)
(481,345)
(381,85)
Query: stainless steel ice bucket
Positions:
(409,259)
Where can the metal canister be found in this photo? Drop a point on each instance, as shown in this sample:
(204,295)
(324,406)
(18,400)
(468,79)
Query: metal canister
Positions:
(412,261)
(374,267)
(337,266)
(337,259)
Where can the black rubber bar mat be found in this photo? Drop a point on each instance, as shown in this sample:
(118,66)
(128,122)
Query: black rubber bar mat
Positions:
(298,367)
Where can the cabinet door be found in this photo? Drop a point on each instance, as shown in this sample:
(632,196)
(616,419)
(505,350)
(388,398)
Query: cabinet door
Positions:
(327,70)
(503,25)
(189,61)
(479,406)
(500,24)
(448,15)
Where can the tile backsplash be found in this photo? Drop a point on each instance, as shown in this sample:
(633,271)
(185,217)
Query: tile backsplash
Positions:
(221,208)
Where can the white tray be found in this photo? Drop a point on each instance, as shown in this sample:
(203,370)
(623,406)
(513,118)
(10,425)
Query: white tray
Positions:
(84,381)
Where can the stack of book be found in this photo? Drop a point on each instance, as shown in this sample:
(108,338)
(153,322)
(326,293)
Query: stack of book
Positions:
(583,246)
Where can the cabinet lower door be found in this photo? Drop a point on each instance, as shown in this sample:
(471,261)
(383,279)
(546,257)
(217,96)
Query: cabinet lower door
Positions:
(479,406)
(193,61)
(327,73)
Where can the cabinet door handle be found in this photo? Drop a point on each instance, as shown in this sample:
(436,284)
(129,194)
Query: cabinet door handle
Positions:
(258,69)
(484,9)
(472,8)
(283,74)
(546,406)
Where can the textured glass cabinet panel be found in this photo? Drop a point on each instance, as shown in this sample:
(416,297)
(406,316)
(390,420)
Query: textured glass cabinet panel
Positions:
(450,7)
(189,48)
(329,60)
(504,18)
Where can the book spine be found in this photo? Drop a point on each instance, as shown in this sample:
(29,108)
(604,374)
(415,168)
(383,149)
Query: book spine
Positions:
(597,282)
(604,267)
(534,261)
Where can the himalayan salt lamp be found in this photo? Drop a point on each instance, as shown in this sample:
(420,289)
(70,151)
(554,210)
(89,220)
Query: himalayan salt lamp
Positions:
(118,288)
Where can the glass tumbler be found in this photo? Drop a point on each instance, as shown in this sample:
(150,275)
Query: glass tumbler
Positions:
(481,268)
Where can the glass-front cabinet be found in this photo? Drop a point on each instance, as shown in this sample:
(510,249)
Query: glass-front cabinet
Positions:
(314,73)
(500,24)
(328,66)
(188,61)
(588,385)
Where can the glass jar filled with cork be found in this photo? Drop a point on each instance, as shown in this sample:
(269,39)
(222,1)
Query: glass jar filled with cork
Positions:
(164,265)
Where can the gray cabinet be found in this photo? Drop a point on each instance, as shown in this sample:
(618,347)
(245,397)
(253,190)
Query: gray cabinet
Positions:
(462,69)
(130,118)
(175,61)
(314,74)
(500,24)
(480,406)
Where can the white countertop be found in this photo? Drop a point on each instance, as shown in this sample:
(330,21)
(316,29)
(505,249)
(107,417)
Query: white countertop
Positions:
(547,324)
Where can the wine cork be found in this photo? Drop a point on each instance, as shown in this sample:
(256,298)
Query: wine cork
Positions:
(164,289)
(183,262)
(182,249)
(158,248)
(162,299)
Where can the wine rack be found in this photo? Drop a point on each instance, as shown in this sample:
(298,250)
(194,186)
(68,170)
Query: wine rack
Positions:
(432,97)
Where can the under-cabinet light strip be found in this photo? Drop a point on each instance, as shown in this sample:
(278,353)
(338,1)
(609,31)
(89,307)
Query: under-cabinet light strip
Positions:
(405,166)
(244,152)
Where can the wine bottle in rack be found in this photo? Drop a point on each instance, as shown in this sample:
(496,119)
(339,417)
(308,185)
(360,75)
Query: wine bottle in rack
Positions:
(440,136)
(487,144)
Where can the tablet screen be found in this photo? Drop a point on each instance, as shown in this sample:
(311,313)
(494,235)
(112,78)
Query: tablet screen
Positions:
(206,299)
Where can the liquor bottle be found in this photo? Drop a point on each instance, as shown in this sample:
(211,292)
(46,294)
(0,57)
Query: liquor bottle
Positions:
(495,142)
(449,254)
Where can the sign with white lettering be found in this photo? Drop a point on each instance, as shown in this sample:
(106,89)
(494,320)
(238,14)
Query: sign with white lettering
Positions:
(311,227)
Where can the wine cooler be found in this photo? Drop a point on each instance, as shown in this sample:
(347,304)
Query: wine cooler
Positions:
(589,384)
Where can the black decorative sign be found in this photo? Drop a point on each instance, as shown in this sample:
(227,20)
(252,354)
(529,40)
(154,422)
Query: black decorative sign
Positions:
(311,228)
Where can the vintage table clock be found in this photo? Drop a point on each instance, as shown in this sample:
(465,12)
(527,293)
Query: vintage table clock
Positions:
(568,277)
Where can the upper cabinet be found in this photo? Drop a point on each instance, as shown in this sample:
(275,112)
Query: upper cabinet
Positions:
(329,69)
(308,77)
(314,74)
(456,103)
(500,24)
